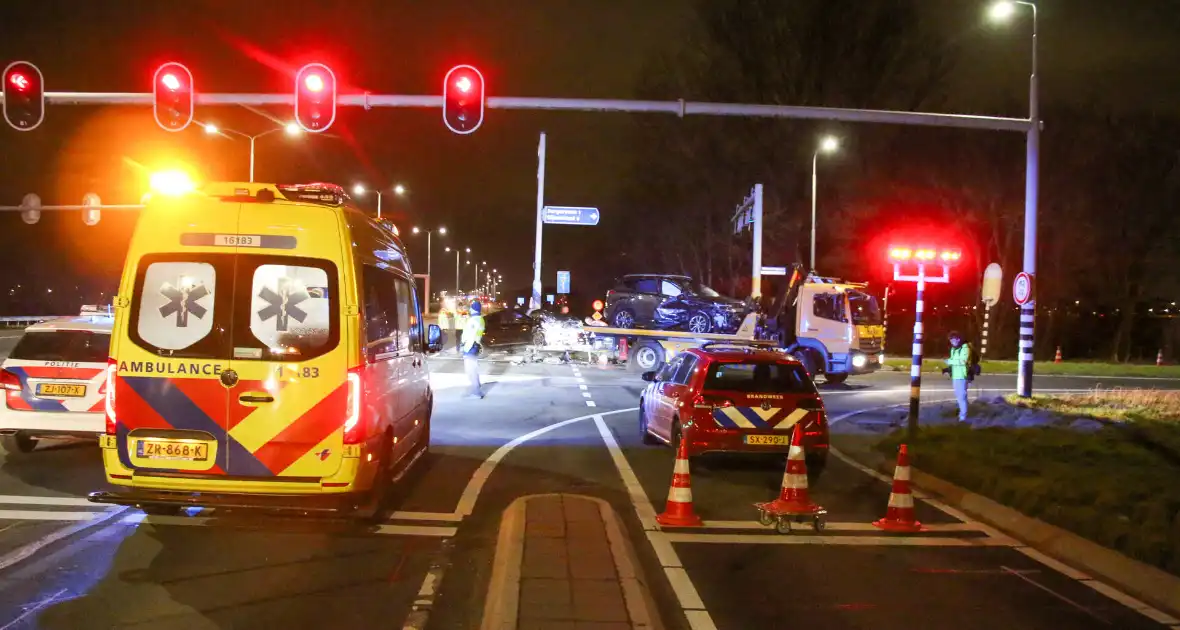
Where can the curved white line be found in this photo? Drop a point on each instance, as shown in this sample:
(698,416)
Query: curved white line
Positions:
(480,477)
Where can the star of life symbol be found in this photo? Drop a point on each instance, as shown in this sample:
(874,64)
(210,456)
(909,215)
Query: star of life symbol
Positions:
(183,300)
(282,304)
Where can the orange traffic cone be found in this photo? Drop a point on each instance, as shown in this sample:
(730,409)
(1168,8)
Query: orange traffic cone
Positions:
(899,516)
(623,350)
(1057,359)
(1159,358)
(794,498)
(678,512)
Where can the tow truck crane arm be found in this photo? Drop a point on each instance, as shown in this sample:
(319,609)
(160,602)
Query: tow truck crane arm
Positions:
(781,317)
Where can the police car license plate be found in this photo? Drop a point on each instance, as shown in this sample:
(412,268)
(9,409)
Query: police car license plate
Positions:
(172,449)
(59,389)
(768,440)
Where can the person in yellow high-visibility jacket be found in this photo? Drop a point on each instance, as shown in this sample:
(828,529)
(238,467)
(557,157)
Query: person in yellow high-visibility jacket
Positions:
(959,366)
(472,334)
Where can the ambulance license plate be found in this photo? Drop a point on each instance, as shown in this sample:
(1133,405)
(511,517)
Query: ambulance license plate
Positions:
(172,449)
(768,440)
(60,389)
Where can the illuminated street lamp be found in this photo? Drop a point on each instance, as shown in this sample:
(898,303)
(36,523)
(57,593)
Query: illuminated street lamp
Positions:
(441,230)
(1004,11)
(828,144)
(360,190)
(917,259)
(291,129)
(399,190)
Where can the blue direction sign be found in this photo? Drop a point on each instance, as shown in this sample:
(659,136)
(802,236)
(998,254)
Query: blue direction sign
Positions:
(570,215)
(563,282)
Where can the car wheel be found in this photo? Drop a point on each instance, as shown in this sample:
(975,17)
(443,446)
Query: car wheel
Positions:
(646,357)
(677,435)
(624,318)
(836,379)
(804,357)
(648,438)
(18,443)
(699,322)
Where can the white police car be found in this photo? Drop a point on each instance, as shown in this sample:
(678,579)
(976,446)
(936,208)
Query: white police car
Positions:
(54,381)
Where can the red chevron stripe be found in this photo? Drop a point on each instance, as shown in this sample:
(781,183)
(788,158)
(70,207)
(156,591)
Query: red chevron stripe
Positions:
(304,433)
(133,411)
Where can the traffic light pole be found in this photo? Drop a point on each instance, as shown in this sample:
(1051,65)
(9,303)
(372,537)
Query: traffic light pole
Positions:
(535,301)
(680,108)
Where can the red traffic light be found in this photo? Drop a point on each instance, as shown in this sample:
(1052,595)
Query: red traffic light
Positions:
(173,97)
(315,97)
(19,81)
(24,95)
(901,254)
(463,99)
(597,305)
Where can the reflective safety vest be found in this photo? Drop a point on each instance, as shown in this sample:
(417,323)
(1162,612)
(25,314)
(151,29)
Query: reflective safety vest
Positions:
(473,331)
(959,360)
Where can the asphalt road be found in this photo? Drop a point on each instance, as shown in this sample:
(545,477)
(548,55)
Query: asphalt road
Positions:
(542,428)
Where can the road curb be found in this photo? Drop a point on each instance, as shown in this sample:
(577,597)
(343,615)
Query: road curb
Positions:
(502,606)
(1154,586)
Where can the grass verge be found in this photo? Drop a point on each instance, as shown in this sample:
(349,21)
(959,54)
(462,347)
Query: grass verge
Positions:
(1118,485)
(1069,368)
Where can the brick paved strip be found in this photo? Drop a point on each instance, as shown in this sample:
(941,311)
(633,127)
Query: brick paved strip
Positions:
(562,561)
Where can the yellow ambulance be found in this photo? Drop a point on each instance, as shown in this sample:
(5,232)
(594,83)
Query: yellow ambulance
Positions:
(268,351)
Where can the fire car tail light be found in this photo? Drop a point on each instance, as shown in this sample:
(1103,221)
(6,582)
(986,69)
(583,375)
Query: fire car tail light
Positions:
(352,418)
(108,385)
(701,401)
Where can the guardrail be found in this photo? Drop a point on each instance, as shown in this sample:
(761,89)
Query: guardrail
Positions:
(21,321)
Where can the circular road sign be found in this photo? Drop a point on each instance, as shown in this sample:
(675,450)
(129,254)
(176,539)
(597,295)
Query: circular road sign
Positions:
(1022,288)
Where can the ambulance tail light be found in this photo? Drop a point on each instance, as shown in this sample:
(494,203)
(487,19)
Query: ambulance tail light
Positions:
(353,431)
(109,396)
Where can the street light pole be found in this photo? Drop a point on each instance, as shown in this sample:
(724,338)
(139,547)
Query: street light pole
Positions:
(1024,380)
(827,145)
(814,186)
(1024,376)
(291,128)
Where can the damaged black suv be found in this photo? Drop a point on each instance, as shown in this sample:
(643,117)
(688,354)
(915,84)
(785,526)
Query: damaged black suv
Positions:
(671,302)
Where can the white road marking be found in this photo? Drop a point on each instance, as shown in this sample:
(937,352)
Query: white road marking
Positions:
(425,601)
(582,387)
(35,515)
(847,527)
(591,403)
(804,537)
(18,499)
(585,394)
(1056,594)
(686,593)
(580,379)
(426,516)
(39,605)
(480,477)
(141,518)
(24,552)
(643,507)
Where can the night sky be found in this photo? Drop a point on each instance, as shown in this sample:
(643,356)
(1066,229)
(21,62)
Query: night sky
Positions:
(482,187)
